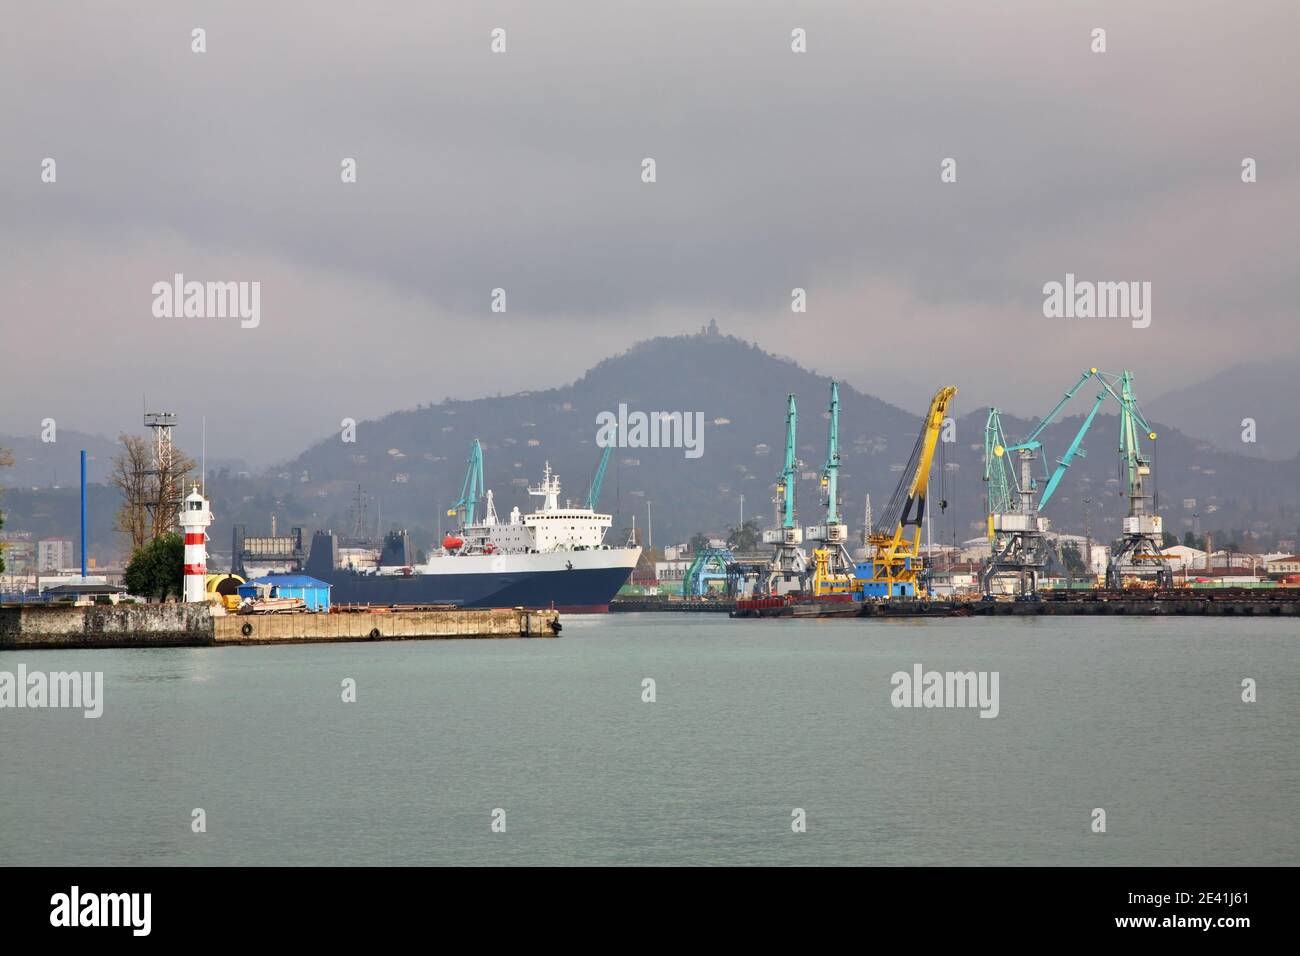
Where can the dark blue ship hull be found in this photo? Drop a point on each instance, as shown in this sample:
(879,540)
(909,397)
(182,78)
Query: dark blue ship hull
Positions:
(577,591)
(572,589)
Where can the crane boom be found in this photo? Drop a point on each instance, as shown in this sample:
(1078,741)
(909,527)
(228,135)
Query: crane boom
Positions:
(1064,461)
(896,549)
(1031,440)
(831,473)
(1130,441)
(789,563)
(593,495)
(995,469)
(785,487)
(472,489)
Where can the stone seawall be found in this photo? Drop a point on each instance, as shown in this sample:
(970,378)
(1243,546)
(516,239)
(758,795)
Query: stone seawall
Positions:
(193,625)
(119,625)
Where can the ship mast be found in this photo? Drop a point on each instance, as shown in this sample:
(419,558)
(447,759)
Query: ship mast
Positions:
(548,490)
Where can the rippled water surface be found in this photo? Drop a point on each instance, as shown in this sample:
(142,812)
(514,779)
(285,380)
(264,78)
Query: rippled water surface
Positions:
(1140,717)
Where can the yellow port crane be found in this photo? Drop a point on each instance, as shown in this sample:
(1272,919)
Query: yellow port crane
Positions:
(895,540)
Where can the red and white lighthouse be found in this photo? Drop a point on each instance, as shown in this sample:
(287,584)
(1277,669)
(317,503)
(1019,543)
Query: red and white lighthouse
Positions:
(194,521)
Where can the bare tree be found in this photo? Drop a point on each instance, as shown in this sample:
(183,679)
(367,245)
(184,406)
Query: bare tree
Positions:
(131,477)
(170,486)
(151,493)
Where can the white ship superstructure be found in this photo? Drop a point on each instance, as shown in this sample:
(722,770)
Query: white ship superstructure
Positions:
(550,527)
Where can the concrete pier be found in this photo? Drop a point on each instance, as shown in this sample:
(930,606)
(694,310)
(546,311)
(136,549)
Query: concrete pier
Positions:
(396,626)
(33,627)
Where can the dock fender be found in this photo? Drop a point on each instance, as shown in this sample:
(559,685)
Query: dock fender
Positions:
(374,634)
(247,629)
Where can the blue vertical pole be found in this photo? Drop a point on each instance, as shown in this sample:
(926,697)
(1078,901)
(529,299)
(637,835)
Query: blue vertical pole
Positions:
(83,514)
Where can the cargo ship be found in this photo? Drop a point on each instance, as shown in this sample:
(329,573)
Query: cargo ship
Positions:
(552,557)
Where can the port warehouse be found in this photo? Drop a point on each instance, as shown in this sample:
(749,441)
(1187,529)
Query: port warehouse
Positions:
(314,594)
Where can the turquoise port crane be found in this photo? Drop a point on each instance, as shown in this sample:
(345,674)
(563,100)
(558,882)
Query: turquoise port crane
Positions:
(833,565)
(831,473)
(1016,532)
(708,565)
(1133,463)
(789,564)
(593,494)
(1031,443)
(785,486)
(1015,528)
(472,490)
(1139,551)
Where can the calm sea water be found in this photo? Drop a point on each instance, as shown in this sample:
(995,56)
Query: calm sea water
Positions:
(1142,718)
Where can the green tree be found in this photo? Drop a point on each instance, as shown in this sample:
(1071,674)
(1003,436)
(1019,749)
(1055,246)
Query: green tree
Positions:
(1168,539)
(699,541)
(745,538)
(158,568)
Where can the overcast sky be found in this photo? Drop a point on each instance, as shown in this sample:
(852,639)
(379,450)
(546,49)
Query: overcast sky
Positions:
(522,170)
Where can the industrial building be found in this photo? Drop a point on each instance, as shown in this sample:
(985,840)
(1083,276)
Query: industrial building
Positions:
(314,594)
(270,554)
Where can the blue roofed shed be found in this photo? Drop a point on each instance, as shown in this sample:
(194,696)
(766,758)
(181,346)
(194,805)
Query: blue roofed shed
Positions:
(315,594)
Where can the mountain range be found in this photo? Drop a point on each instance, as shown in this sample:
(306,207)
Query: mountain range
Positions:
(406,468)
(1252,409)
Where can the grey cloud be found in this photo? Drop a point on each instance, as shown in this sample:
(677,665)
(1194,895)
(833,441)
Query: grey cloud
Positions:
(775,170)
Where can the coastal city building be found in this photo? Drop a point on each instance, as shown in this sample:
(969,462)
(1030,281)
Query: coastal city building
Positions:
(54,554)
(18,550)
(1288,564)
